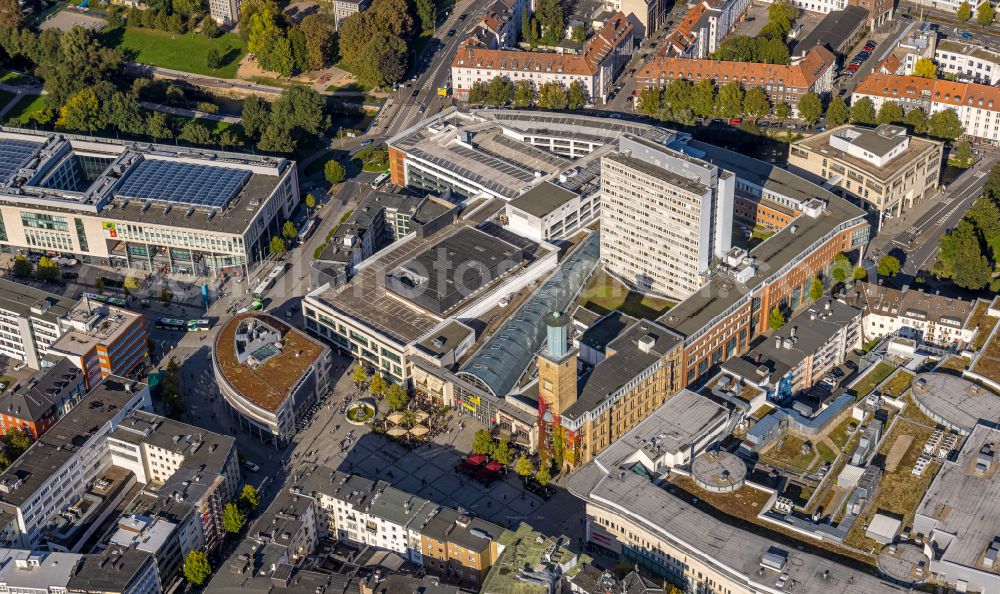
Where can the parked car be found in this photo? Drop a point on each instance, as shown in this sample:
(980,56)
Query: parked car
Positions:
(461,18)
(451,33)
(735,121)
(251,466)
(366,142)
(851,365)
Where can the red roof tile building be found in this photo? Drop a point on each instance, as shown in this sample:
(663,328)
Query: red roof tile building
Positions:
(783,84)
(596,66)
(977,106)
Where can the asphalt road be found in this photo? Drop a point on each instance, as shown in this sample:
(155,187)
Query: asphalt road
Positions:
(949,207)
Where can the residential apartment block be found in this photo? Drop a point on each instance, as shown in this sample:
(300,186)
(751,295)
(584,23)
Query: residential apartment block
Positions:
(664,216)
(596,66)
(813,73)
(968,62)
(141,206)
(977,105)
(943,322)
(65,462)
(885,168)
(797,356)
(650,15)
(703,28)
(35,405)
(325,503)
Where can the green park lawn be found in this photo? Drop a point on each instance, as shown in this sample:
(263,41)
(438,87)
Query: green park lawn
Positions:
(13,78)
(181,52)
(21,113)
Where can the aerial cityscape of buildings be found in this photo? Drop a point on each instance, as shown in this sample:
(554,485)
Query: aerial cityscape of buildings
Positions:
(500,297)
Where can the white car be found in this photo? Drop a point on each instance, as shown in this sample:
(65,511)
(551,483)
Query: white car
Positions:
(20,366)
(366,142)
(251,466)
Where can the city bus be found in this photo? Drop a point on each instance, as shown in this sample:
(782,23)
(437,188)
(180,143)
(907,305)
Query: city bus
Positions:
(105,299)
(171,324)
(199,325)
(381,179)
(306,230)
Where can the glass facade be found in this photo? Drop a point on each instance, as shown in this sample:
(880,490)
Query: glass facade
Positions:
(48,222)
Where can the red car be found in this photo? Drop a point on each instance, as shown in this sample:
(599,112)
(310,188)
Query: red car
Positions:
(735,121)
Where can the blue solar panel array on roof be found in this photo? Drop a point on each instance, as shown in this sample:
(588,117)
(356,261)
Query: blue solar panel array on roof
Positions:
(186,183)
(14,154)
(501,361)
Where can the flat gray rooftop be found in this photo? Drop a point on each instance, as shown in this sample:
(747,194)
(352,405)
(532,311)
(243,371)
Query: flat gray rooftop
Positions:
(20,298)
(964,503)
(761,173)
(719,294)
(60,443)
(727,548)
(955,400)
(674,425)
(542,199)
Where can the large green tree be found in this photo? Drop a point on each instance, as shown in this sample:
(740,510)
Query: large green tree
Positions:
(776,320)
(232,518)
(916,119)
(249,498)
(945,125)
(499,91)
(300,111)
(925,68)
(483,443)
(837,113)
(890,113)
(82,113)
(961,257)
(863,111)
(334,172)
(756,103)
(810,108)
(196,568)
(964,12)
(703,98)
(550,17)
(985,14)
(552,95)
(576,95)
(888,266)
(729,102)
(524,93)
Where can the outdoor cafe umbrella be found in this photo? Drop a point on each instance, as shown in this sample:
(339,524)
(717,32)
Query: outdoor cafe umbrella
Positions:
(396,432)
(419,430)
(395,418)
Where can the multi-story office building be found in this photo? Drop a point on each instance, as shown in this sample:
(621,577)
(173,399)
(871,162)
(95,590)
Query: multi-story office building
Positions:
(664,216)
(30,321)
(885,168)
(813,73)
(187,467)
(596,66)
(35,405)
(269,373)
(35,572)
(143,206)
(977,105)
(632,517)
(948,6)
(556,210)
(99,338)
(943,322)
(56,470)
(225,12)
(102,340)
